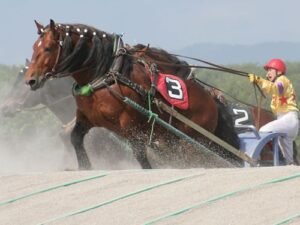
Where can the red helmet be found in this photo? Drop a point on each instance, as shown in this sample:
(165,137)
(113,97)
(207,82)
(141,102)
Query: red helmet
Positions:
(276,64)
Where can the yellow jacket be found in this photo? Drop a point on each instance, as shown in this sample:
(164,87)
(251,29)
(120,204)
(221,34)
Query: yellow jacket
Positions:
(283,94)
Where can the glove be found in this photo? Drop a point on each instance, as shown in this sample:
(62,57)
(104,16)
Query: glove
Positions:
(253,78)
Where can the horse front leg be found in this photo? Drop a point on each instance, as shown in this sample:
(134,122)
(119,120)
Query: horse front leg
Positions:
(77,137)
(69,154)
(140,153)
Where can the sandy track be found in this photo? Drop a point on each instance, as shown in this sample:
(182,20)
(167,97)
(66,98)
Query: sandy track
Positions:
(139,196)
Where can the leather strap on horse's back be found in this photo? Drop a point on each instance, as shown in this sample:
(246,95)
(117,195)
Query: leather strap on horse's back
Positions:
(118,52)
(258,102)
(206,133)
(257,125)
(154,73)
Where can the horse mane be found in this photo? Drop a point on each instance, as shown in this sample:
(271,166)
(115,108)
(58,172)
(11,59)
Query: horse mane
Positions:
(84,46)
(164,60)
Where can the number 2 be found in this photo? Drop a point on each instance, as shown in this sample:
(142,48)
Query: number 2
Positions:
(243,118)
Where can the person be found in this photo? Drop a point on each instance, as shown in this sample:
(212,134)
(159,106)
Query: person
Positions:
(283,105)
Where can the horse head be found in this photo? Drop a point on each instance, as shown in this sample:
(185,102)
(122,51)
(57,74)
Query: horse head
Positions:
(66,49)
(45,48)
(18,96)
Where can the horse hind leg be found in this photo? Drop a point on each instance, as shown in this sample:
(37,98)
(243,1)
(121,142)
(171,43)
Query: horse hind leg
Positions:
(77,137)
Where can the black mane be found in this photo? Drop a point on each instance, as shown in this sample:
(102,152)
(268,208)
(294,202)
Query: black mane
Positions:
(84,47)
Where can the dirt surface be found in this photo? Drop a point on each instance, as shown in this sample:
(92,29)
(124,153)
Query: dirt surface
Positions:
(199,196)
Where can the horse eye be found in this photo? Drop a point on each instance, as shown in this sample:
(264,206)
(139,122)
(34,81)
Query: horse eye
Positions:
(47,49)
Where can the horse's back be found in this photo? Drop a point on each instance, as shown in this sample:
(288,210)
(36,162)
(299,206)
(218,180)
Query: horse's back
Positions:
(202,107)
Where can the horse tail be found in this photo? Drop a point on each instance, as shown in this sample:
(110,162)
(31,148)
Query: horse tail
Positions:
(225,130)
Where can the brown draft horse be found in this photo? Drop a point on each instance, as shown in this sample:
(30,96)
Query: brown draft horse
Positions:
(93,58)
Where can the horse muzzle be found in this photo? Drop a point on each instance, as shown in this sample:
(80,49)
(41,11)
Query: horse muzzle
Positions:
(35,82)
(8,110)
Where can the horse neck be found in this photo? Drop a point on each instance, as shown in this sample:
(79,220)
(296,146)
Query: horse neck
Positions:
(89,58)
(83,78)
(64,111)
(21,96)
(57,97)
(31,99)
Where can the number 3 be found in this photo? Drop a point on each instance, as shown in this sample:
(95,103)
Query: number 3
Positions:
(174,88)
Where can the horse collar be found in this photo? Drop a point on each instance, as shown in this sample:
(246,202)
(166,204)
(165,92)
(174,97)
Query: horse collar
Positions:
(118,44)
(85,90)
(88,89)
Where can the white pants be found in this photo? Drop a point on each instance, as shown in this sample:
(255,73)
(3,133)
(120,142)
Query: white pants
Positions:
(285,123)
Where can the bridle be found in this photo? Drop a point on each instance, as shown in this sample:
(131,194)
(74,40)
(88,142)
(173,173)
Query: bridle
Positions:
(53,73)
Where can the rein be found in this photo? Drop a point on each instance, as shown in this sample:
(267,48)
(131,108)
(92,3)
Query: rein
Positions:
(44,106)
(224,69)
(118,50)
(215,66)
(212,66)
(52,73)
(258,102)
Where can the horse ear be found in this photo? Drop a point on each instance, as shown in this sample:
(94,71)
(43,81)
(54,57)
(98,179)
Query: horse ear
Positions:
(27,62)
(52,24)
(143,50)
(40,27)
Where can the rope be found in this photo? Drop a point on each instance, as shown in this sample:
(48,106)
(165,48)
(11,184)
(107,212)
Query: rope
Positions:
(226,69)
(169,127)
(259,105)
(46,106)
(221,197)
(179,133)
(224,92)
(151,115)
(259,112)
(214,66)
(206,133)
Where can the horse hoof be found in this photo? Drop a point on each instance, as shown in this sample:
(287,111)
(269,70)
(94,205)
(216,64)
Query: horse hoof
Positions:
(70,169)
(85,168)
